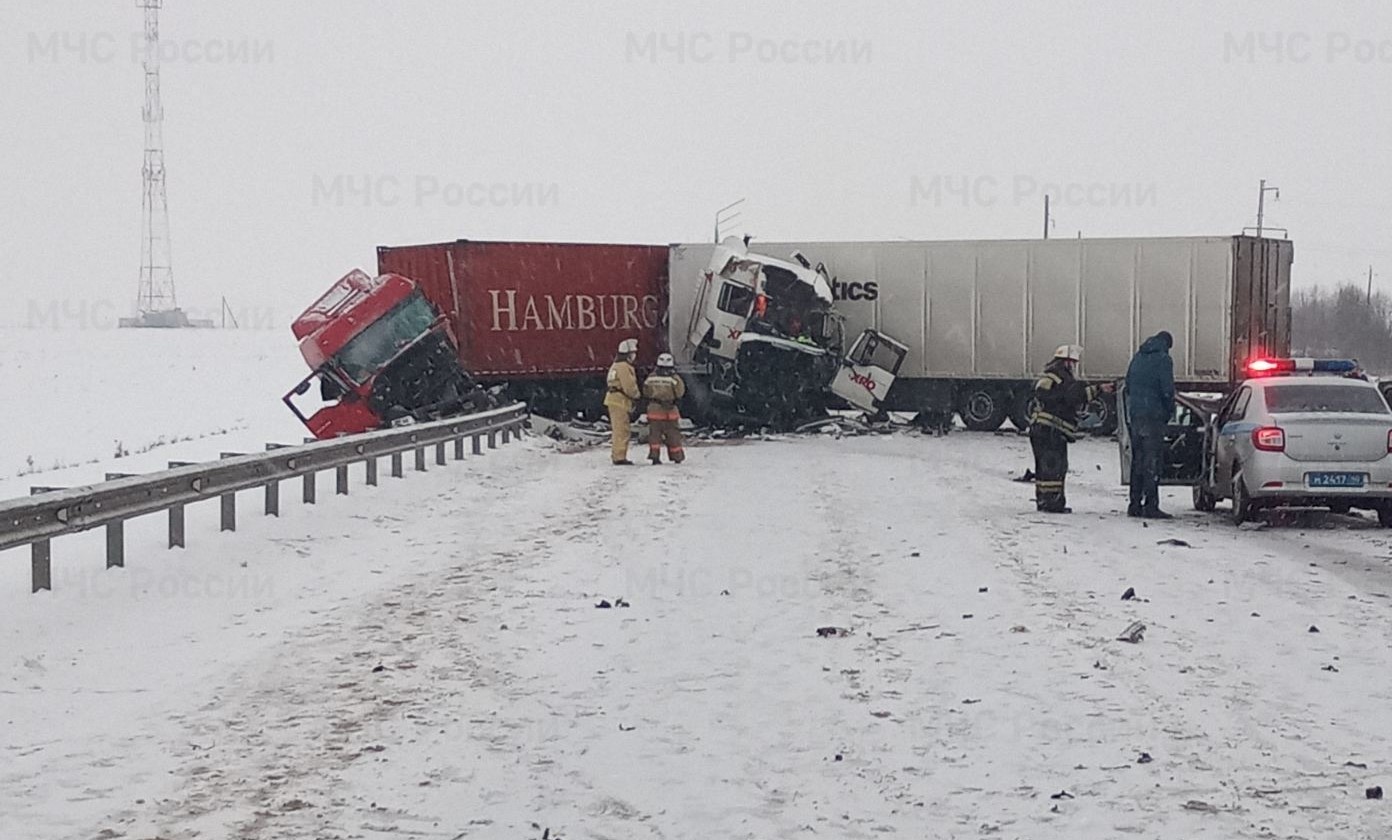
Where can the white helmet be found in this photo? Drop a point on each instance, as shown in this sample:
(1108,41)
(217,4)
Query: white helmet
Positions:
(665,360)
(628,345)
(1071,352)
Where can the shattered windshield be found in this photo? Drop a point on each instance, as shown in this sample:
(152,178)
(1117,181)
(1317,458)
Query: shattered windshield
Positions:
(372,348)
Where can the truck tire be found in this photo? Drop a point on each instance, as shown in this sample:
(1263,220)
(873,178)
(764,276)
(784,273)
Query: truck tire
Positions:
(983,407)
(1021,408)
(1103,412)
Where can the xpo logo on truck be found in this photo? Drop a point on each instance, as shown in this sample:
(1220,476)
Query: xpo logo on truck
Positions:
(855,290)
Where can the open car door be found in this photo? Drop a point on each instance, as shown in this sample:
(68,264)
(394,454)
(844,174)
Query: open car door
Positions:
(1184,459)
(869,370)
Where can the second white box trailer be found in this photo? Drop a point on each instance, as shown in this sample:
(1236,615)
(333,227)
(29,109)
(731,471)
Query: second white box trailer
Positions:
(981,318)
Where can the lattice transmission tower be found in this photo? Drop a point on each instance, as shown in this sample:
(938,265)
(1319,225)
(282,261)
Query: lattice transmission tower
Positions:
(156,293)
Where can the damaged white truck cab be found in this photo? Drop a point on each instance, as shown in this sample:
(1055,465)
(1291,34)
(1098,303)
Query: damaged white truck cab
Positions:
(766,333)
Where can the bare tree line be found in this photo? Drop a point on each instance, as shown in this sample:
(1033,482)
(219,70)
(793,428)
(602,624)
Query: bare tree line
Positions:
(1343,323)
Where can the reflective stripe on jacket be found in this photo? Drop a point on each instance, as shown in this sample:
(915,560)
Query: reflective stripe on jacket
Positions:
(1060,399)
(664,391)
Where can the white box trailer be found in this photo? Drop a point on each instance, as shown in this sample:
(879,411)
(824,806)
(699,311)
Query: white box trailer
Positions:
(981,318)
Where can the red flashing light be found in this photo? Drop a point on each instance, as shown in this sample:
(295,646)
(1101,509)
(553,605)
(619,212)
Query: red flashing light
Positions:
(1257,367)
(1269,439)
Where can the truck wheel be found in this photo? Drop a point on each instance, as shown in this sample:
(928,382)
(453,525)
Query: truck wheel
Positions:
(983,409)
(1022,406)
(1204,500)
(1102,415)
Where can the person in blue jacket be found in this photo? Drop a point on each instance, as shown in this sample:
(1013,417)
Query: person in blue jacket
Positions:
(1149,407)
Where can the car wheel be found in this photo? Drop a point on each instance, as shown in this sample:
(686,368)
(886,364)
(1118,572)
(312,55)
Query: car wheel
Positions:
(1241,502)
(1022,406)
(1204,500)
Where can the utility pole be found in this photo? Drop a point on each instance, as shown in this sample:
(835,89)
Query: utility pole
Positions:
(1046,215)
(721,218)
(1261,205)
(1261,210)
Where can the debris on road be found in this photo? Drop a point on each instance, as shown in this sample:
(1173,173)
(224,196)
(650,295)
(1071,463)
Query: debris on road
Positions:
(830,632)
(1144,758)
(1313,629)
(1175,542)
(1330,668)
(618,602)
(1019,628)
(1129,594)
(1200,805)
(1027,478)
(1374,792)
(1063,794)
(1133,633)
(913,627)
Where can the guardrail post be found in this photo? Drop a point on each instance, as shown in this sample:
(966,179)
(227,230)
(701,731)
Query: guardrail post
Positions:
(459,449)
(176,526)
(273,488)
(115,533)
(371,464)
(420,459)
(440,454)
(311,485)
(492,440)
(396,465)
(341,480)
(115,544)
(478,444)
(229,512)
(176,513)
(41,555)
(229,501)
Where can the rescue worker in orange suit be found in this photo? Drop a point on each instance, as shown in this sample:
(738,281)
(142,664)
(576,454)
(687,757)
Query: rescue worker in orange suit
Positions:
(664,390)
(1059,400)
(621,395)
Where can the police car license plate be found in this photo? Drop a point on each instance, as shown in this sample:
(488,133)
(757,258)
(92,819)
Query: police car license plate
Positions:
(1335,479)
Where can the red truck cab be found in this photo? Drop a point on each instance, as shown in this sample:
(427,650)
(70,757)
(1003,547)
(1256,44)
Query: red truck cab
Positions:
(380,354)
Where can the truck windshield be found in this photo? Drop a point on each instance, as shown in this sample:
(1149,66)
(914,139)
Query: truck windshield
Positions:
(372,348)
(1286,399)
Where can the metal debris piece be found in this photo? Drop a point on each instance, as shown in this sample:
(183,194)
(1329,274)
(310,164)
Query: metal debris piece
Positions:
(1133,633)
(830,632)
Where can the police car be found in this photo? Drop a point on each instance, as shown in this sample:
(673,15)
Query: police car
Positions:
(1296,433)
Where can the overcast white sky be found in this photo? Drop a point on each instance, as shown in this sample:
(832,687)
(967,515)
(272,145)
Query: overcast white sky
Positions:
(832,119)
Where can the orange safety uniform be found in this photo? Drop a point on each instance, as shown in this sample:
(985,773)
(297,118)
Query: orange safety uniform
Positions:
(622,393)
(664,390)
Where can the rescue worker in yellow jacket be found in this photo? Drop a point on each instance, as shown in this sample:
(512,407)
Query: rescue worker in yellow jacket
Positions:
(1059,399)
(664,389)
(621,395)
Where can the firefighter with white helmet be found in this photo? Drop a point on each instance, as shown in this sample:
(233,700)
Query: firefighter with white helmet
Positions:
(1059,399)
(664,390)
(622,392)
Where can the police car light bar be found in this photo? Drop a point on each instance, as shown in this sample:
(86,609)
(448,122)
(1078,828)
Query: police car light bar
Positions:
(1271,367)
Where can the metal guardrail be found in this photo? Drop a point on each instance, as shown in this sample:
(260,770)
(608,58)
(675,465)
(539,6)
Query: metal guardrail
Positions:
(52,511)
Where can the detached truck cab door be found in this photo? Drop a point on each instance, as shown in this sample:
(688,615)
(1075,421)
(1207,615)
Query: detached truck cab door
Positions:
(869,370)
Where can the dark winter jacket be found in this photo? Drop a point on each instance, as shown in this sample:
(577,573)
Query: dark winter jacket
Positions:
(1060,399)
(1150,382)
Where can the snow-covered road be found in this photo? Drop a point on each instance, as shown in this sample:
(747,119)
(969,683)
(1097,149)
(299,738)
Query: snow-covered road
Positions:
(427,660)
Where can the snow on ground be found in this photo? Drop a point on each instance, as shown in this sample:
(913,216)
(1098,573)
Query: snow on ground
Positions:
(74,398)
(426,659)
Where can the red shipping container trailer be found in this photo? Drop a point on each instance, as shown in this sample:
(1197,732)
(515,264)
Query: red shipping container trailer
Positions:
(546,318)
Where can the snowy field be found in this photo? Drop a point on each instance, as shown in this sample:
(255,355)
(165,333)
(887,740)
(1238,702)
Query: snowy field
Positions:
(81,402)
(425,659)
